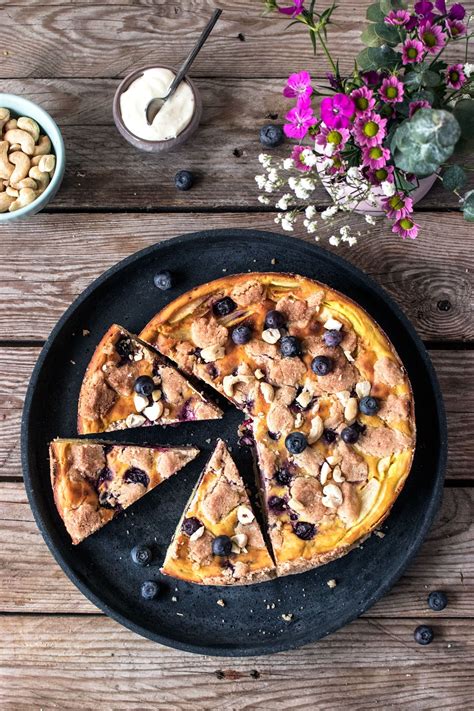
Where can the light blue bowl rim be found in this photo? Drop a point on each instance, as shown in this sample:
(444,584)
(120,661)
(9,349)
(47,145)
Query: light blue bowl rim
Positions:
(24,107)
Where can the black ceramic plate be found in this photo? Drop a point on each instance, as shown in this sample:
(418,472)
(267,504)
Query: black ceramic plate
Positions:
(188,616)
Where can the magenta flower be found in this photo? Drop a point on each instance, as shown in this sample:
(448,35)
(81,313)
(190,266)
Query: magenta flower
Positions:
(384,174)
(337,111)
(398,206)
(293,10)
(455,28)
(332,140)
(455,77)
(441,6)
(432,36)
(300,119)
(457,12)
(412,51)
(398,18)
(363,99)
(415,106)
(424,9)
(392,90)
(371,78)
(375,156)
(298,159)
(406,228)
(369,130)
(298,84)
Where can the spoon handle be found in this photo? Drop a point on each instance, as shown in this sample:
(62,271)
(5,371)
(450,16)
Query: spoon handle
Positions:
(194,52)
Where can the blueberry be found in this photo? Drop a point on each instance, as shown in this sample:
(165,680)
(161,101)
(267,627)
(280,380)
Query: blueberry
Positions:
(108,500)
(329,436)
(224,306)
(350,434)
(283,476)
(134,475)
(290,347)
(369,405)
(124,347)
(144,385)
(332,338)
(321,365)
(423,634)
(276,503)
(222,545)
(141,555)
(296,442)
(190,525)
(163,280)
(437,600)
(271,135)
(241,334)
(149,590)
(184,180)
(305,531)
(274,319)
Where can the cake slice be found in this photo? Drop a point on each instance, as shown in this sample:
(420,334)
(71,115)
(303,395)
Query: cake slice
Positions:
(128,384)
(93,481)
(218,540)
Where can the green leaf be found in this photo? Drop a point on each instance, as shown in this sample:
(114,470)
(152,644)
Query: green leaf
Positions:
(430,79)
(454,178)
(464,113)
(387,33)
(377,58)
(374,13)
(426,141)
(387,5)
(424,95)
(468,206)
(370,38)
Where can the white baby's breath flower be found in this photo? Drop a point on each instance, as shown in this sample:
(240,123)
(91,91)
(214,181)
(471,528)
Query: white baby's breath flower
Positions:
(388,188)
(265,160)
(324,164)
(273,175)
(370,219)
(468,69)
(329,212)
(301,193)
(292,182)
(278,218)
(264,199)
(308,157)
(352,241)
(354,173)
(311,227)
(282,203)
(269,187)
(310,212)
(288,164)
(307,184)
(287,224)
(372,200)
(344,231)
(334,241)
(260,180)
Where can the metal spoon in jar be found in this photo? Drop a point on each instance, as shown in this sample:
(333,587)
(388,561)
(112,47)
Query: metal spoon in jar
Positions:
(155,104)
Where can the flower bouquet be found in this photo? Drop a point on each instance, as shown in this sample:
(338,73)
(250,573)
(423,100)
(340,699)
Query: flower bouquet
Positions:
(379,137)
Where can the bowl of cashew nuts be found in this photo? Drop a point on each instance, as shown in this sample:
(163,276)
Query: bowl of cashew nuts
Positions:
(32,157)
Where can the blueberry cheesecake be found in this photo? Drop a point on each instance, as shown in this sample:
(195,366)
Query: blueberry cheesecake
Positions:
(218,540)
(93,481)
(330,405)
(127,384)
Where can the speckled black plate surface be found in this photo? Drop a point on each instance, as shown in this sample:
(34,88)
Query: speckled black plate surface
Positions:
(187,616)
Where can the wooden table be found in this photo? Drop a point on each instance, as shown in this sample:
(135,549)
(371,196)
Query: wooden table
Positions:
(57,650)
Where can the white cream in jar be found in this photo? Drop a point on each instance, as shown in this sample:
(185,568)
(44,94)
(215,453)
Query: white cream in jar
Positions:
(173,117)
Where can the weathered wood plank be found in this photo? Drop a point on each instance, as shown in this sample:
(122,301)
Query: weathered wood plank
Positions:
(92,662)
(31,581)
(47,261)
(99,39)
(103,171)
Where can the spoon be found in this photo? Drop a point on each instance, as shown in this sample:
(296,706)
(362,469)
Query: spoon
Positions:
(155,104)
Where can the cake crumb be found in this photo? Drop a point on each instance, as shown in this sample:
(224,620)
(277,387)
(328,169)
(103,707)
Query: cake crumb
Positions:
(331,583)
(85,332)
(208,440)
(221,602)
(224,270)
(273,261)
(180,614)
(174,599)
(73,362)
(379,534)
(287,616)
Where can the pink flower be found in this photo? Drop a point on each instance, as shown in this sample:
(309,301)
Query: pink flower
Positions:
(457,12)
(298,84)
(300,118)
(338,166)
(332,140)
(398,206)
(415,106)
(412,51)
(432,36)
(455,77)
(406,228)
(298,159)
(363,99)
(441,6)
(392,90)
(455,28)
(293,10)
(337,111)
(375,156)
(424,9)
(398,18)
(381,175)
(369,130)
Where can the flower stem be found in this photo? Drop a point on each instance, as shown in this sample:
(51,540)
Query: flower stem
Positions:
(327,53)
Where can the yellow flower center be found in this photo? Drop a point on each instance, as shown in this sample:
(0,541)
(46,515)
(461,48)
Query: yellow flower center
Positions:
(392,92)
(371,129)
(362,103)
(334,137)
(376,152)
(412,53)
(396,202)
(454,75)
(381,174)
(429,39)
(406,223)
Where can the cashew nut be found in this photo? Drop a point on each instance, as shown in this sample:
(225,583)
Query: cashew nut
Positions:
(5,202)
(41,178)
(47,163)
(26,141)
(6,168)
(22,166)
(30,126)
(27,183)
(13,192)
(4,117)
(27,195)
(43,146)
(14,147)
(35,160)
(12,123)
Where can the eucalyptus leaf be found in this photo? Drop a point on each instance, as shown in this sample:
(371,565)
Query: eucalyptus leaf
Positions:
(464,113)
(387,33)
(425,141)
(370,38)
(430,79)
(424,95)
(468,206)
(454,178)
(374,13)
(388,5)
(377,58)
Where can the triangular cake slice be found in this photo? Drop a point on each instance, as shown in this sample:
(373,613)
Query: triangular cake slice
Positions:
(218,540)
(93,481)
(128,384)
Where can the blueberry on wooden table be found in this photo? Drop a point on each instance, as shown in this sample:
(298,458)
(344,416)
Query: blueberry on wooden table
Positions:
(241,334)
(437,600)
(271,135)
(369,405)
(184,180)
(274,319)
(163,280)
(222,546)
(322,365)
(290,347)
(224,306)
(141,555)
(149,590)
(144,385)
(423,634)
(296,442)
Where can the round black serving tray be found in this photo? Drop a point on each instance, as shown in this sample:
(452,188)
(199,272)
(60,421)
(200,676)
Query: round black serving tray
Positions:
(187,616)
